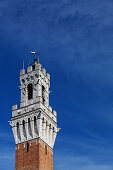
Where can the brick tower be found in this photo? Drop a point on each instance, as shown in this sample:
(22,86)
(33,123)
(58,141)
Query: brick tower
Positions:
(34,124)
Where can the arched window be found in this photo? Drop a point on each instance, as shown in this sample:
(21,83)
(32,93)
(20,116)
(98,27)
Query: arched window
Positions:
(30,91)
(43,91)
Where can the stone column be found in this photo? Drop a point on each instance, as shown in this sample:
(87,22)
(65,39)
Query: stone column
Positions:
(54,137)
(43,129)
(51,131)
(47,136)
(27,131)
(32,128)
(39,88)
(40,126)
(21,132)
(37,126)
(14,128)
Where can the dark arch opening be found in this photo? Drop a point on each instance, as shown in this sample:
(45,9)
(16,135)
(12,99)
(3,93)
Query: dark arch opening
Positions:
(23,122)
(29,121)
(27,147)
(24,130)
(18,130)
(35,122)
(35,119)
(43,90)
(17,124)
(43,119)
(30,91)
(29,127)
(35,125)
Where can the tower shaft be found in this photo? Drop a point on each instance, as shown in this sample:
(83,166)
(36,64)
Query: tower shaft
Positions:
(33,155)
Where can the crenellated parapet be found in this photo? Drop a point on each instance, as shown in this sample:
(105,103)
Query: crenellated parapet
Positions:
(51,114)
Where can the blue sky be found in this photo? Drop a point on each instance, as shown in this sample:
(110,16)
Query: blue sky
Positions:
(75,40)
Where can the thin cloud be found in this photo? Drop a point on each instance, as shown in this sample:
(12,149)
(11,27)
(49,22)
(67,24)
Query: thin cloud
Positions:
(79,163)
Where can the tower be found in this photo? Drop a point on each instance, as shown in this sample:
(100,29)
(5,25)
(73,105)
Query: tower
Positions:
(34,124)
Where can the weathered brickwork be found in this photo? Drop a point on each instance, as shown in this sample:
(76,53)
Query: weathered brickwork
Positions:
(34,155)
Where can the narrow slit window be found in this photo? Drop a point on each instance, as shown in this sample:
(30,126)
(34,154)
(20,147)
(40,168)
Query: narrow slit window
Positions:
(43,91)
(35,125)
(30,91)
(27,147)
(24,130)
(18,132)
(46,149)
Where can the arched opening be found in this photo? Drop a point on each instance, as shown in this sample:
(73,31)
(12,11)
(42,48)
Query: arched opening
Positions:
(35,125)
(34,119)
(53,133)
(43,119)
(27,147)
(50,133)
(30,91)
(24,130)
(29,127)
(18,130)
(43,91)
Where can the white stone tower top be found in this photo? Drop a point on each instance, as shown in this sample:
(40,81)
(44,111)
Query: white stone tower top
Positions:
(35,117)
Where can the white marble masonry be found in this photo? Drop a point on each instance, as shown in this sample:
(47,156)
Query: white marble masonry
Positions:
(35,117)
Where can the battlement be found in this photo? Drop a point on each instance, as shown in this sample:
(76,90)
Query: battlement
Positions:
(52,114)
(34,68)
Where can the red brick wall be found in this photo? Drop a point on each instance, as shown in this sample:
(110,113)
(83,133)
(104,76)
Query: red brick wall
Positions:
(35,155)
